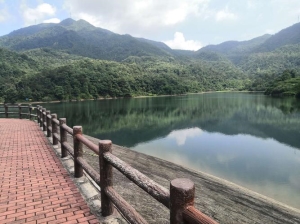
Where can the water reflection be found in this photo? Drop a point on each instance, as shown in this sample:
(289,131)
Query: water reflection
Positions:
(182,135)
(263,165)
(131,121)
(249,139)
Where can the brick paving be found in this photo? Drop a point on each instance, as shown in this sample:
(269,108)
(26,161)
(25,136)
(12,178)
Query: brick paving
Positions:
(34,186)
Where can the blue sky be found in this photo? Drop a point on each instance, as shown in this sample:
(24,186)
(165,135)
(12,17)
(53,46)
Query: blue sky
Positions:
(182,24)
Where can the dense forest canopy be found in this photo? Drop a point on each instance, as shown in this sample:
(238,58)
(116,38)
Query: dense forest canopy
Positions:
(75,60)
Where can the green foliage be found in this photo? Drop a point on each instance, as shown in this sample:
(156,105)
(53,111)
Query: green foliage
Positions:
(14,67)
(82,39)
(56,64)
(287,84)
(287,36)
(263,56)
(11,95)
(50,58)
(86,79)
(236,51)
(277,61)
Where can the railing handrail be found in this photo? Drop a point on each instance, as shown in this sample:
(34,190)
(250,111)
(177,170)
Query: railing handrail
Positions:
(20,113)
(158,192)
(179,199)
(88,143)
(193,215)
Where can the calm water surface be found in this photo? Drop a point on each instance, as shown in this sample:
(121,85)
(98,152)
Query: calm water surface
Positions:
(249,139)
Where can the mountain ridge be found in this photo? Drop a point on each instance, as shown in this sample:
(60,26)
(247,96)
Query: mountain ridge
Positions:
(75,36)
(80,38)
(76,50)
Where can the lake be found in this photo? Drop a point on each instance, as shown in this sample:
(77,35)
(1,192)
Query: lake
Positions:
(249,139)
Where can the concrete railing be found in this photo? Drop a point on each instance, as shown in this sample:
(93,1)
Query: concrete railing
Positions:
(179,199)
(18,111)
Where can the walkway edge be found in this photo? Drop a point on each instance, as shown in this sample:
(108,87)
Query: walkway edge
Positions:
(88,189)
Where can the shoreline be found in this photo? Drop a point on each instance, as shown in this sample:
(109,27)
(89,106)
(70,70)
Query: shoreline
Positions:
(135,97)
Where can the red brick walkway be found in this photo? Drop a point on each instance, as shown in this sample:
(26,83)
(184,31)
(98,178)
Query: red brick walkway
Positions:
(34,186)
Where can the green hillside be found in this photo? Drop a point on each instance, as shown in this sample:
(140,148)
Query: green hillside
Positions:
(286,57)
(13,67)
(262,58)
(79,38)
(287,36)
(76,60)
(287,84)
(236,51)
(84,79)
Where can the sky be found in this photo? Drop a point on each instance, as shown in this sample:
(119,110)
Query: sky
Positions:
(181,24)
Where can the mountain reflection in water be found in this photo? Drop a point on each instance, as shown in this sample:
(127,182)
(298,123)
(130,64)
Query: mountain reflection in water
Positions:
(249,139)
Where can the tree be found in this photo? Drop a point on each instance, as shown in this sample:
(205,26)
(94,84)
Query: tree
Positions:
(59,92)
(11,95)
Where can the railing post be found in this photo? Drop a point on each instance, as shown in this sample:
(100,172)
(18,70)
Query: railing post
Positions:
(182,193)
(41,116)
(6,110)
(38,113)
(63,137)
(106,177)
(54,129)
(44,119)
(48,121)
(30,110)
(20,111)
(78,152)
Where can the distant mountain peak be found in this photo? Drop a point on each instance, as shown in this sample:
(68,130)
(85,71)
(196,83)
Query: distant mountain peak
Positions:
(76,25)
(83,39)
(82,23)
(287,36)
(67,22)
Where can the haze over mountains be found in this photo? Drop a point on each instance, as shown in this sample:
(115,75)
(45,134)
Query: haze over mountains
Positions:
(229,65)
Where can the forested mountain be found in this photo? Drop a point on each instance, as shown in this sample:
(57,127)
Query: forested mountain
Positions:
(236,47)
(74,59)
(264,58)
(264,54)
(236,51)
(13,67)
(287,84)
(85,40)
(82,39)
(265,43)
(87,78)
(288,36)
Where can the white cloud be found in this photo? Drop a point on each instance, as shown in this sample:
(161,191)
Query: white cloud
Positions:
(134,16)
(52,20)
(179,42)
(251,4)
(38,14)
(182,135)
(4,15)
(269,31)
(225,158)
(289,8)
(225,14)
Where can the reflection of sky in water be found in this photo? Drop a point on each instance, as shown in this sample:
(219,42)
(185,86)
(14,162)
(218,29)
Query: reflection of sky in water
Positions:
(182,135)
(263,165)
(229,135)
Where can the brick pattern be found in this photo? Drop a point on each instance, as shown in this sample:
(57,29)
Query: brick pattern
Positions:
(34,186)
